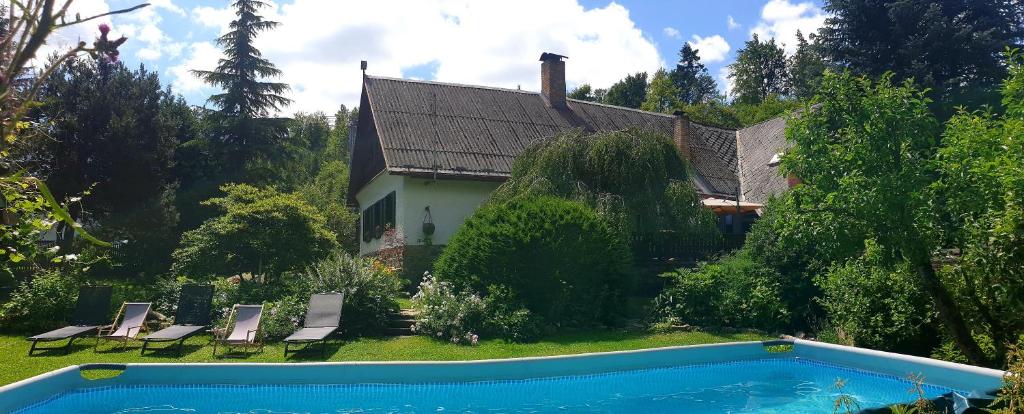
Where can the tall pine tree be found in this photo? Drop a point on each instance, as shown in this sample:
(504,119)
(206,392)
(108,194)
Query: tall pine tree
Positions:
(241,127)
(691,78)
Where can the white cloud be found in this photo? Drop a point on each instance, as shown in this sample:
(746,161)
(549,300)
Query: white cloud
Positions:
(780,19)
(319,44)
(143,26)
(168,5)
(201,55)
(672,32)
(724,80)
(732,23)
(711,49)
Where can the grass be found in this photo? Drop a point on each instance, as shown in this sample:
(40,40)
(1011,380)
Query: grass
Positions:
(17,365)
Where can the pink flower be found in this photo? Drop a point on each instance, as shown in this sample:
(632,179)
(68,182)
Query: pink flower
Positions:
(104,28)
(474,339)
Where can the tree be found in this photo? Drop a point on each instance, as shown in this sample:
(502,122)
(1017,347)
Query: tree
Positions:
(662,94)
(865,152)
(759,71)
(981,170)
(113,135)
(27,205)
(246,98)
(584,92)
(629,92)
(805,67)
(259,231)
(691,78)
(635,179)
(952,47)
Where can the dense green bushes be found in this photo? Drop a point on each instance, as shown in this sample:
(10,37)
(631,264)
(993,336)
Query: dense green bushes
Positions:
(370,289)
(555,258)
(42,303)
(734,292)
(876,305)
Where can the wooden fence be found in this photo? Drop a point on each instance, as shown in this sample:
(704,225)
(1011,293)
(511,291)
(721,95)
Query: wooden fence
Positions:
(669,247)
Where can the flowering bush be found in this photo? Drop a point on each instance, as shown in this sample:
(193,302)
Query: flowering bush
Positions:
(283,317)
(447,314)
(370,289)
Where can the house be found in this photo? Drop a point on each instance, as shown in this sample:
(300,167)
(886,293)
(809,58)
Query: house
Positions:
(426,154)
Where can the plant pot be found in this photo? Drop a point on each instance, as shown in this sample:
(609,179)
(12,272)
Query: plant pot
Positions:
(428,228)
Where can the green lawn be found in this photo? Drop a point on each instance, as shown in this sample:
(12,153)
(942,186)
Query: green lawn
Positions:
(18,365)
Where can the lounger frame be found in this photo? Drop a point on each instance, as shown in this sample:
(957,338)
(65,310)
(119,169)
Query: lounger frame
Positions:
(102,333)
(93,324)
(310,341)
(201,324)
(220,337)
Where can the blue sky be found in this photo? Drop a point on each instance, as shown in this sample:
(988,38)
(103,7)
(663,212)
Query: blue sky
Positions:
(320,42)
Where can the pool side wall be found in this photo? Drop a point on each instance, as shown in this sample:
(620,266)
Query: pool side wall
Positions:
(976,380)
(27,392)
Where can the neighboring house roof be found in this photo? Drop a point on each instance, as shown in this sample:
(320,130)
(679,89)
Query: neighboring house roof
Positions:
(476,132)
(757,145)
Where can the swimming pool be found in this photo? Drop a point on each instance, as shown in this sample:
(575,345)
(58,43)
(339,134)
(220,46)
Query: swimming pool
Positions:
(738,377)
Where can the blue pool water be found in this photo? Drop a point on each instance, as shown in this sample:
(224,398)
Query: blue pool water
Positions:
(759,386)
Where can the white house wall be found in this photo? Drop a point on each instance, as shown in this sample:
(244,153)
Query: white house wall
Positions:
(379,187)
(450,201)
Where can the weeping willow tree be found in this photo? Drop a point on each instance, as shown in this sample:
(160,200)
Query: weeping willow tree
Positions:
(635,179)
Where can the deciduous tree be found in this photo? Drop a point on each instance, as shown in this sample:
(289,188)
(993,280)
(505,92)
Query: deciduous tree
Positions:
(759,71)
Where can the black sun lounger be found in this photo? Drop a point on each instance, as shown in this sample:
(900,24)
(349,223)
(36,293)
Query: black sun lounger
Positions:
(91,313)
(322,318)
(194,306)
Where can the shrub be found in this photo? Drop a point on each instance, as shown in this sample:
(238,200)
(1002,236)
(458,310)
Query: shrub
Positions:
(558,257)
(879,305)
(41,303)
(735,292)
(283,317)
(504,318)
(261,232)
(447,314)
(370,290)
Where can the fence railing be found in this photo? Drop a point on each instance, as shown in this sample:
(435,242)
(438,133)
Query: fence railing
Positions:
(673,247)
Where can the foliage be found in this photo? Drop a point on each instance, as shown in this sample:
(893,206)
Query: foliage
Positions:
(713,113)
(447,313)
(805,67)
(260,231)
(636,180)
(630,92)
(866,148)
(562,262)
(585,92)
(759,71)
(282,317)
(662,93)
(949,46)
(27,206)
(876,304)
(327,193)
(691,79)
(981,170)
(113,133)
(42,303)
(1011,395)
(771,107)
(734,292)
(370,290)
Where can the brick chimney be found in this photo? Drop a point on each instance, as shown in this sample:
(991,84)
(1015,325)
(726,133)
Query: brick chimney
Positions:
(681,133)
(552,79)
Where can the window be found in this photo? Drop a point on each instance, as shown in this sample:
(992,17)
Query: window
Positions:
(378,217)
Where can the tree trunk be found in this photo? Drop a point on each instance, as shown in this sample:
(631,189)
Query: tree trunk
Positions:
(949,312)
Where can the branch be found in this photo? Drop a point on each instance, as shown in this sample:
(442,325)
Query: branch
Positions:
(130,9)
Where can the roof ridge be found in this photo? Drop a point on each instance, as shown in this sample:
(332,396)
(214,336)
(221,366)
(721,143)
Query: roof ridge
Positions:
(621,107)
(460,85)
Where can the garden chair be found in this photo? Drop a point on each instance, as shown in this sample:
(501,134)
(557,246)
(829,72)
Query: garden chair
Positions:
(322,318)
(91,312)
(194,305)
(244,323)
(133,323)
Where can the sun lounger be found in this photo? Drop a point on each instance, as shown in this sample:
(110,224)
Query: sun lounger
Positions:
(91,312)
(244,323)
(322,318)
(132,324)
(193,316)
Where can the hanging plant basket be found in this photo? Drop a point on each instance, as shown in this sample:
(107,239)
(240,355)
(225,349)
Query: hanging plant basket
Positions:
(428,222)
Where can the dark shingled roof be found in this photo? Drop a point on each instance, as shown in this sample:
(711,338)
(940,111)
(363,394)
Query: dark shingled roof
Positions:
(476,131)
(756,146)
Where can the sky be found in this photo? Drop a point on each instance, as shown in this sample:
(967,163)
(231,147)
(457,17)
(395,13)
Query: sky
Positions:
(320,43)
